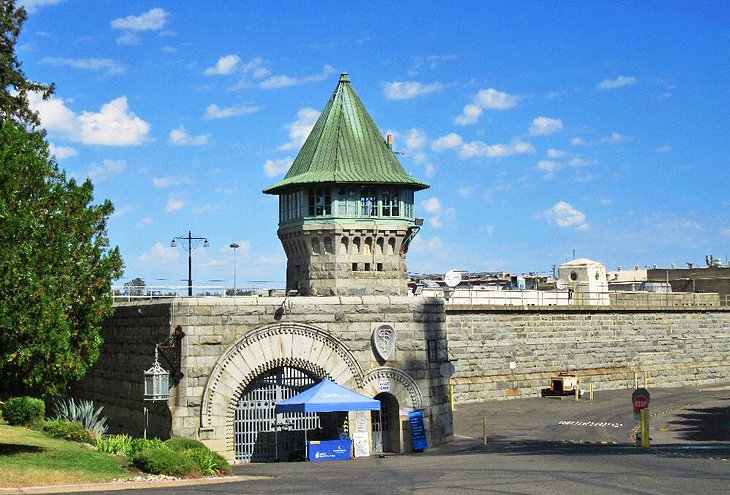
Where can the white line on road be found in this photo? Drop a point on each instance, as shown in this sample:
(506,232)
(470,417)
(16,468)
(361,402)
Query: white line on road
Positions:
(603,424)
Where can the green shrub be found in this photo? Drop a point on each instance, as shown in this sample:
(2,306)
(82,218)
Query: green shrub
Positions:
(163,460)
(115,444)
(23,410)
(84,411)
(139,444)
(181,443)
(210,463)
(68,430)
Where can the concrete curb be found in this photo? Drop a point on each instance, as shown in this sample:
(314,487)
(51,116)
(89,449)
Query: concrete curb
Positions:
(132,485)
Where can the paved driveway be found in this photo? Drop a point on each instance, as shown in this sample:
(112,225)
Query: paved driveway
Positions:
(533,449)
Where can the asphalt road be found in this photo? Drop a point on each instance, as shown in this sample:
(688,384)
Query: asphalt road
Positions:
(535,446)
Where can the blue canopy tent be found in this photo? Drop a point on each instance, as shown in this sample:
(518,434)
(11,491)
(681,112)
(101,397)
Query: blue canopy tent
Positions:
(327,396)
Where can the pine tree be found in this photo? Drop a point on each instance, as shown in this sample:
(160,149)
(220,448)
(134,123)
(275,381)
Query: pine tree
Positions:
(56,265)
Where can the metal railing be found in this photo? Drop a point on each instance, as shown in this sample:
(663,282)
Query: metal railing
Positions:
(148,292)
(527,298)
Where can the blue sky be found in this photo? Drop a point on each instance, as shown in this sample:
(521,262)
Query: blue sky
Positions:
(542,127)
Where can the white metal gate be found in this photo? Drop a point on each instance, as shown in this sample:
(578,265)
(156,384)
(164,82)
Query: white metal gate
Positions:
(261,434)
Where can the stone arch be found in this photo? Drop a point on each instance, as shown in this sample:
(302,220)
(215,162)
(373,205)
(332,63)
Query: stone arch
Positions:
(403,387)
(344,244)
(356,245)
(281,344)
(391,245)
(316,246)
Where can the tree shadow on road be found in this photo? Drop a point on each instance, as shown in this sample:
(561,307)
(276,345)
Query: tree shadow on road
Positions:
(711,424)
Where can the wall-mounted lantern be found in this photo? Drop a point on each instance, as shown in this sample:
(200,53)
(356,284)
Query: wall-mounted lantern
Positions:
(156,382)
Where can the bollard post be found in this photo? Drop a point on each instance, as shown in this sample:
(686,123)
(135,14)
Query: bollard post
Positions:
(484,429)
(645,440)
(453,401)
(636,380)
(646,383)
(590,391)
(577,388)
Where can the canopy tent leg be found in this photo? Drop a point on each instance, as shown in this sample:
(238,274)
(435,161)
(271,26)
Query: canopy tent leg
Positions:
(306,446)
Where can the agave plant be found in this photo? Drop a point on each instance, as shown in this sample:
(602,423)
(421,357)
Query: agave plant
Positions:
(84,411)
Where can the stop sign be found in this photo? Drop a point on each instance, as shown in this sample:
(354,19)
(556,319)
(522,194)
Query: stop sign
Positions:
(640,402)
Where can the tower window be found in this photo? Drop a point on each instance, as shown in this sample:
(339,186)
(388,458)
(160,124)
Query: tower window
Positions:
(367,267)
(354,267)
(320,201)
(368,202)
(380,267)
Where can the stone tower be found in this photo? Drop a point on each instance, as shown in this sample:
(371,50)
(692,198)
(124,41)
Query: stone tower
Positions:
(346,213)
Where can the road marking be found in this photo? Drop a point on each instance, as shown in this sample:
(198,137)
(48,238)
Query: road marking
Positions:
(602,424)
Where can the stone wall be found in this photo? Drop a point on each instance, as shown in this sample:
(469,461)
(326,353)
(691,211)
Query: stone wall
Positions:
(215,328)
(117,379)
(604,345)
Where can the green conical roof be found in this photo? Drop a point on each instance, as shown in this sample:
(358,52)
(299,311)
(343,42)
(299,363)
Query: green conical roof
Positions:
(345,146)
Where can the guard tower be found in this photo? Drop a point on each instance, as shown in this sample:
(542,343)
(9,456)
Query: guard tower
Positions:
(346,213)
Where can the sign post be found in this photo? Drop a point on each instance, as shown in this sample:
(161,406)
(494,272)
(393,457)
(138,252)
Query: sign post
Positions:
(640,400)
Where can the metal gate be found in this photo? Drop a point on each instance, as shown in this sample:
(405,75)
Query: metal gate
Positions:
(261,434)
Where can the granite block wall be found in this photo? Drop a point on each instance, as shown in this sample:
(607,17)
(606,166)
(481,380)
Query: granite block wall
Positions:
(603,345)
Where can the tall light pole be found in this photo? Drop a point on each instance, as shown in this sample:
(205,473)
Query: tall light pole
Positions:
(190,238)
(234,246)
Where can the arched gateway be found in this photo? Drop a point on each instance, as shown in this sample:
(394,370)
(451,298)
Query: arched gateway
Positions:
(270,364)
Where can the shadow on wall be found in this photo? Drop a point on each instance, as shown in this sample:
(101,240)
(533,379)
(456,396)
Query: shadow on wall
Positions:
(711,424)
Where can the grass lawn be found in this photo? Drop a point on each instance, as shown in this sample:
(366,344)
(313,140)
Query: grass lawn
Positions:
(28,458)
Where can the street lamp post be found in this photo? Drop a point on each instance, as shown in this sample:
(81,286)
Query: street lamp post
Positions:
(190,238)
(234,246)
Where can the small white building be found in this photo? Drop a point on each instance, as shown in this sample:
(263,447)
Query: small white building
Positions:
(586,281)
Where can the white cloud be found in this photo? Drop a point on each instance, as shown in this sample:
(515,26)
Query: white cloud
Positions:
(108,168)
(549,167)
(299,129)
(619,82)
(486,99)
(180,137)
(578,141)
(495,100)
(415,139)
(110,66)
(564,215)
(466,191)
(553,153)
(145,222)
(275,82)
(664,149)
(487,229)
(171,181)
(438,214)
(149,21)
(129,39)
(479,149)
(113,125)
(544,126)
(169,49)
(175,204)
(272,168)
(215,112)
(32,6)
(431,205)
(470,115)
(614,138)
(406,90)
(62,152)
(227,64)
(447,142)
(725,232)
(160,254)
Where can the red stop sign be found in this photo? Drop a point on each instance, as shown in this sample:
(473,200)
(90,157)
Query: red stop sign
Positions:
(640,402)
